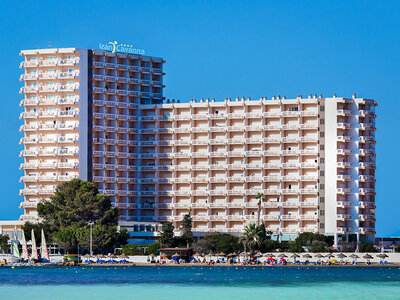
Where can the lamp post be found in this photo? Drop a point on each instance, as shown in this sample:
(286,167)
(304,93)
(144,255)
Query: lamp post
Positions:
(91,237)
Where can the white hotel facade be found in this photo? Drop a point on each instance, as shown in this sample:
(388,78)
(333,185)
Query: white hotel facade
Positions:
(99,116)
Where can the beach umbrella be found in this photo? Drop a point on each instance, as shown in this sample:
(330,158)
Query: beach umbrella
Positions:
(367,256)
(221,254)
(122,256)
(282,255)
(271,259)
(87,256)
(307,256)
(382,255)
(282,259)
(294,255)
(258,255)
(354,256)
(234,254)
(341,255)
(196,254)
(100,256)
(269,255)
(319,255)
(112,256)
(334,261)
(329,255)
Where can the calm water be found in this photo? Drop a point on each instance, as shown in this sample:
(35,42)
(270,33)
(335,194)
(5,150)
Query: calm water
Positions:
(200,283)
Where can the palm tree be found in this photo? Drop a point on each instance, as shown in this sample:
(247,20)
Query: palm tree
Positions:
(251,237)
(260,198)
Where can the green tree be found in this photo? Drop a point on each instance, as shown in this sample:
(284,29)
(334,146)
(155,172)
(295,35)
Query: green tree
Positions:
(4,242)
(260,197)
(251,238)
(37,228)
(368,247)
(186,229)
(67,213)
(166,235)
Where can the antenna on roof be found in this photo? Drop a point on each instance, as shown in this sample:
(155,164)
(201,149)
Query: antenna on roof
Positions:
(49,44)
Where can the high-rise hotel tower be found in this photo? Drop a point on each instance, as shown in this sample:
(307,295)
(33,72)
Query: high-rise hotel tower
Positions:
(99,116)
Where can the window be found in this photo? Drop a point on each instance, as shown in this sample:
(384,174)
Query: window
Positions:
(322,134)
(321,147)
(321,212)
(321,225)
(322,186)
(322,173)
(322,199)
(322,160)
(322,108)
(321,121)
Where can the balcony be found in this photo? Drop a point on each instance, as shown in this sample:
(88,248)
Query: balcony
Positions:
(344,151)
(217,180)
(344,165)
(290,152)
(290,178)
(272,192)
(290,204)
(343,112)
(234,218)
(218,142)
(308,178)
(369,178)
(235,179)
(217,154)
(290,165)
(290,127)
(309,191)
(200,117)
(364,191)
(203,142)
(272,140)
(308,152)
(235,167)
(236,153)
(309,204)
(344,125)
(343,191)
(344,177)
(253,128)
(254,153)
(272,166)
(343,139)
(271,204)
(272,114)
(218,129)
(254,115)
(218,167)
(289,217)
(343,217)
(290,140)
(253,166)
(364,165)
(290,192)
(235,205)
(236,128)
(271,179)
(217,193)
(200,129)
(200,154)
(307,165)
(309,113)
(272,153)
(236,115)
(236,192)
(309,126)
(254,179)
(308,217)
(290,114)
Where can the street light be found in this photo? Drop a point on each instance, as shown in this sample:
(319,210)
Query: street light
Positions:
(91,238)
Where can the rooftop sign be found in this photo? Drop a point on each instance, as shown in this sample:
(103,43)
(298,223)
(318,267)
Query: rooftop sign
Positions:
(124,48)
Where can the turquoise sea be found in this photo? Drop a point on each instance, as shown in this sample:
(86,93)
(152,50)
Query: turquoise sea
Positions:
(200,283)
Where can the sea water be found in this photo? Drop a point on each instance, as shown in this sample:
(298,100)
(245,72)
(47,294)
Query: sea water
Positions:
(200,283)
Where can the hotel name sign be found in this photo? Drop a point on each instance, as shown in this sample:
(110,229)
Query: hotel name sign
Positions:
(120,47)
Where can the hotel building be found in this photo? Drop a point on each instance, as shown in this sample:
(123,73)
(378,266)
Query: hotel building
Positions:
(99,116)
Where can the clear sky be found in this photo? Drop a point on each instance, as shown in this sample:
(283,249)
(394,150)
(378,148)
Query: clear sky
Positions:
(221,49)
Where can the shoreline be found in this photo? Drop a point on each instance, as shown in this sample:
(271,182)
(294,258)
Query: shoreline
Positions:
(388,265)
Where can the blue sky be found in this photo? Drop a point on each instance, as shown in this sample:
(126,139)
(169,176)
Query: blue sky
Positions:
(221,49)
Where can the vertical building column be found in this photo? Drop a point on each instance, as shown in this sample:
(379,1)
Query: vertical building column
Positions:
(321,166)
